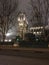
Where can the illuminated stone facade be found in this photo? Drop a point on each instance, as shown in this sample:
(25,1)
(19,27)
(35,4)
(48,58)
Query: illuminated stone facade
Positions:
(22,25)
(37,30)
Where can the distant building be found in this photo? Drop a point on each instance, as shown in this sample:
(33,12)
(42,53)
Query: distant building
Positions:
(37,30)
(22,25)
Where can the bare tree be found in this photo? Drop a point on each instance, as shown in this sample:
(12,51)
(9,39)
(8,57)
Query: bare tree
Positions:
(7,7)
(40,13)
(36,13)
(46,10)
(40,9)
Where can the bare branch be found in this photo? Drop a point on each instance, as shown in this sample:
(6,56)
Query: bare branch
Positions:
(7,8)
(40,9)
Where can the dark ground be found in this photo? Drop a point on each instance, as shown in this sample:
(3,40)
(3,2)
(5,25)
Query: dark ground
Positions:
(13,57)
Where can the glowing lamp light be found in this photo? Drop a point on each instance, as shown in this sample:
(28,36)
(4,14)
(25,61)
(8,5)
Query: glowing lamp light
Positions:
(41,27)
(34,32)
(5,40)
(15,45)
(9,40)
(37,32)
(18,19)
(8,34)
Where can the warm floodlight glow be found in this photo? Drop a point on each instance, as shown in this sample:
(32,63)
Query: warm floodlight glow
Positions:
(24,18)
(18,19)
(5,40)
(7,34)
(15,45)
(34,32)
(9,40)
(41,27)
(37,32)
(20,24)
